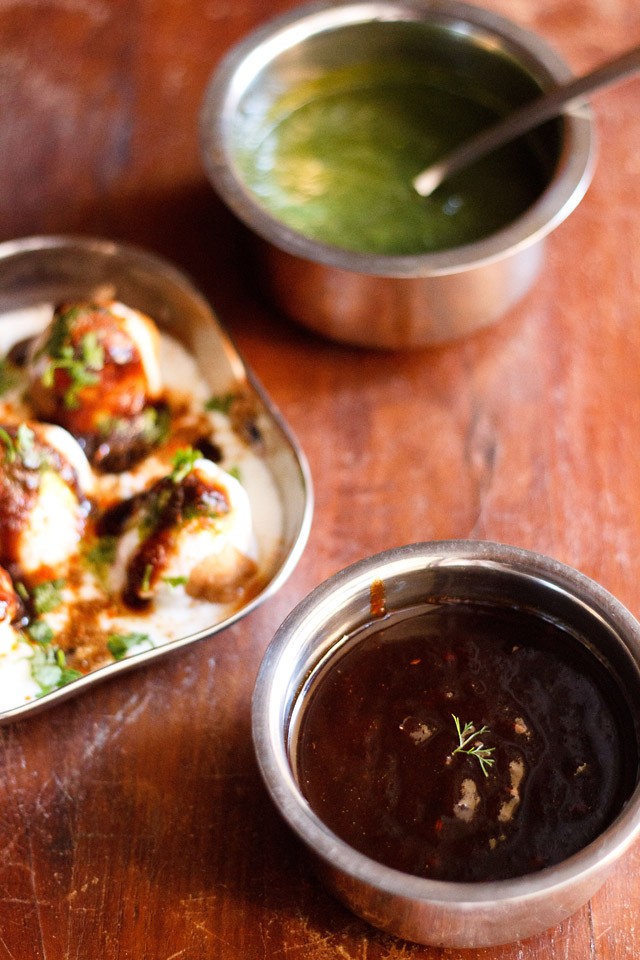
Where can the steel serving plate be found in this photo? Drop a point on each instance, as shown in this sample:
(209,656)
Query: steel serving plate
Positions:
(42,269)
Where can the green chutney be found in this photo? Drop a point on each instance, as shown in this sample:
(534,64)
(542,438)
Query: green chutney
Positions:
(335,160)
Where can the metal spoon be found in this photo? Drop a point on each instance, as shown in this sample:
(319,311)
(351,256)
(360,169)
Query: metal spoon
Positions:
(525,118)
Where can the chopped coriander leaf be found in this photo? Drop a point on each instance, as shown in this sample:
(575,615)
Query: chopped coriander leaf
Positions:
(6,439)
(58,333)
(21,590)
(92,351)
(80,364)
(221,403)
(145,586)
(175,581)
(72,313)
(235,472)
(8,375)
(153,424)
(183,463)
(26,448)
(47,596)
(150,516)
(40,632)
(101,556)
(119,644)
(22,447)
(49,669)
(157,424)
(110,425)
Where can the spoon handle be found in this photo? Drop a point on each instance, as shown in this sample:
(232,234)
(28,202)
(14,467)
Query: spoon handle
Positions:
(525,118)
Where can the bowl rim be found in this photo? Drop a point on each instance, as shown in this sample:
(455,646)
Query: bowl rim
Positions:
(563,193)
(271,750)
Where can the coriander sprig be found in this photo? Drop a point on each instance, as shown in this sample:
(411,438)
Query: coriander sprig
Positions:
(21,448)
(9,376)
(466,735)
(222,403)
(119,644)
(49,667)
(183,463)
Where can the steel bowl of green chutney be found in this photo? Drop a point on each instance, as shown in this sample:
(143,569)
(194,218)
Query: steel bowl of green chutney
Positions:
(314,127)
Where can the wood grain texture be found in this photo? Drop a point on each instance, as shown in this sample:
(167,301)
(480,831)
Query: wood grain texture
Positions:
(133,824)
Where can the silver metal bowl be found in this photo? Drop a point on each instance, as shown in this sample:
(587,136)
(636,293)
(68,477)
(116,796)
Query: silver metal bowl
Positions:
(378,300)
(434,912)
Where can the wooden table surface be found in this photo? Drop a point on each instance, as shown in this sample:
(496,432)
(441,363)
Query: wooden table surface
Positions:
(133,823)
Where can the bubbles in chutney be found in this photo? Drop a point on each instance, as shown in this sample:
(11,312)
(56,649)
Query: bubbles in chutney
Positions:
(374,737)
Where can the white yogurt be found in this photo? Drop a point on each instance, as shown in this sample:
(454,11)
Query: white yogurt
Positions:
(173,614)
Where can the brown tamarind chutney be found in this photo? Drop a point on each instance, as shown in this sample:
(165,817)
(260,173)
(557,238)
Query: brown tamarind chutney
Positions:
(465,742)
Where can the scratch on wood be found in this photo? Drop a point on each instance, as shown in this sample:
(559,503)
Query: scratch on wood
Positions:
(323,944)
(32,878)
(210,933)
(98,12)
(481,454)
(10,955)
(5,854)
(111,727)
(592,937)
(22,901)
(398,951)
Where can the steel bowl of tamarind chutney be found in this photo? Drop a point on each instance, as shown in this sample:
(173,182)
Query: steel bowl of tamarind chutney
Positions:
(452,730)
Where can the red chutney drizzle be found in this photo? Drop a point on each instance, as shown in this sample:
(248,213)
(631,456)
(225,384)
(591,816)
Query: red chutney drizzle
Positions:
(373,749)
